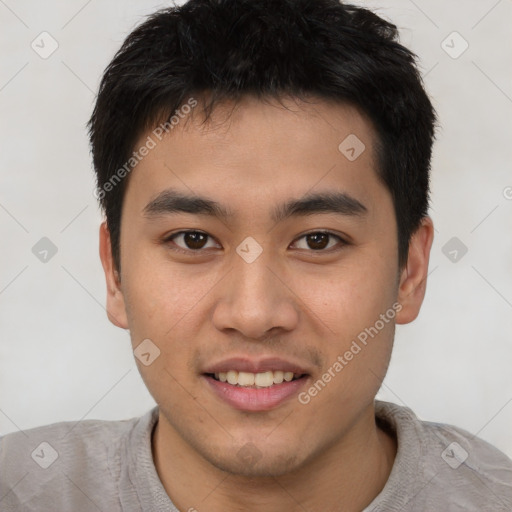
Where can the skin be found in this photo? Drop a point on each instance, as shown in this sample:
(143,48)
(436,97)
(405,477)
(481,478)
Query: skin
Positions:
(292,302)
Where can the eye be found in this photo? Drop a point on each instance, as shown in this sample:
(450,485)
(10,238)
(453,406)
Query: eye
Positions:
(195,241)
(190,240)
(320,241)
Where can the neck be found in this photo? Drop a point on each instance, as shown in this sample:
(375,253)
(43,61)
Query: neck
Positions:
(351,472)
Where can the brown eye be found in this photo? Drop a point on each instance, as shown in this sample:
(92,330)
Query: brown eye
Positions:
(195,240)
(319,241)
(190,240)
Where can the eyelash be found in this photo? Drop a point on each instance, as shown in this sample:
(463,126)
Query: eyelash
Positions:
(189,252)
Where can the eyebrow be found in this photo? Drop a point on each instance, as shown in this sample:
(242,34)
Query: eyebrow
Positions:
(171,201)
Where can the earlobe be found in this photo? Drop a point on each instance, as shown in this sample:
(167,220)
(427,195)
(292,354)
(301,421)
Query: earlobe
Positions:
(116,310)
(413,280)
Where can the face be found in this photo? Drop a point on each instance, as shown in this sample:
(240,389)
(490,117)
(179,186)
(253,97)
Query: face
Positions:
(287,268)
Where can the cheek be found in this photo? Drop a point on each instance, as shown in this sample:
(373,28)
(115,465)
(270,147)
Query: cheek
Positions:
(161,296)
(345,301)
(356,341)
(161,304)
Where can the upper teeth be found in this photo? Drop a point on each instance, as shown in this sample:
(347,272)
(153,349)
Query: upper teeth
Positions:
(262,380)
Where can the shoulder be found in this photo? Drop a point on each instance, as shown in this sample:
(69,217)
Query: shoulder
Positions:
(66,465)
(45,445)
(451,466)
(458,448)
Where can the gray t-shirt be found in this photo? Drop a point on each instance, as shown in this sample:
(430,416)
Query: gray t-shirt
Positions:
(107,466)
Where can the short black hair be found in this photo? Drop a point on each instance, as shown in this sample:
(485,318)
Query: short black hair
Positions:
(227,49)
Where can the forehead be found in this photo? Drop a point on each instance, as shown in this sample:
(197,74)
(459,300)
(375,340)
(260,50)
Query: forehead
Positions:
(283,128)
(251,151)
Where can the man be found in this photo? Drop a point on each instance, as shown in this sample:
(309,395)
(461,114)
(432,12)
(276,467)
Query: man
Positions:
(264,168)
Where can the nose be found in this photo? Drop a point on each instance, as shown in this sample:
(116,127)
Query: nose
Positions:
(256,299)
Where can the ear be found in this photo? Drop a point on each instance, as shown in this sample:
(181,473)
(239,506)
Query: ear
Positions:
(116,310)
(413,280)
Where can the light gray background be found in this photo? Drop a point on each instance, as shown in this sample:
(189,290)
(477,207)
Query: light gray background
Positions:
(61,359)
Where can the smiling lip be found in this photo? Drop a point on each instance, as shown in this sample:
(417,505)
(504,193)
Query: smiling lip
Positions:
(251,398)
(242,364)
(255,399)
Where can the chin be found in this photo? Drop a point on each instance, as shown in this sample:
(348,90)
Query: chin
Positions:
(266,467)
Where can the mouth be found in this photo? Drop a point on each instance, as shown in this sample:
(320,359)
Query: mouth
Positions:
(259,380)
(262,389)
